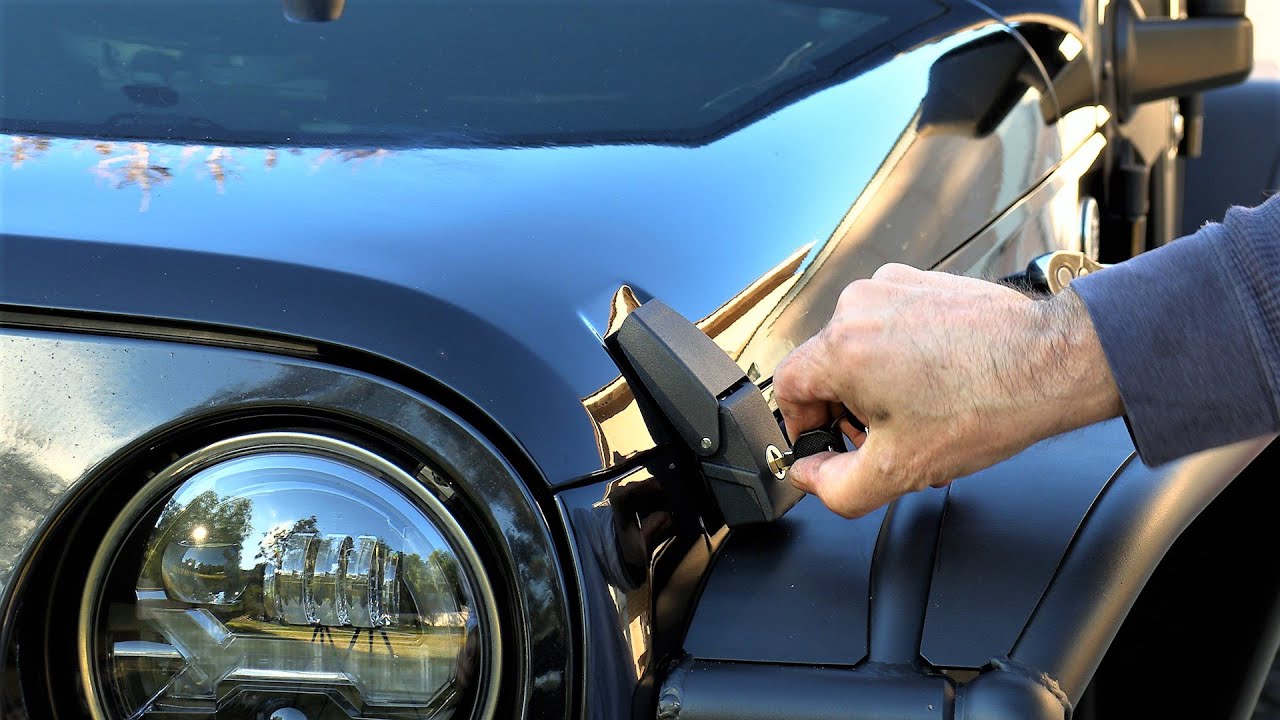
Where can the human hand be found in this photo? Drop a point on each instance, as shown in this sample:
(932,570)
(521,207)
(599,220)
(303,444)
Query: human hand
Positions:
(950,375)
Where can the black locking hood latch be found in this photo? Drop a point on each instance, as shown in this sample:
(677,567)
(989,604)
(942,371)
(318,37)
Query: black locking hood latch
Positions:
(715,409)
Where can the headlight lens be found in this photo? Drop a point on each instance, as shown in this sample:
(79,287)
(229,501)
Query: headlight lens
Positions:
(283,574)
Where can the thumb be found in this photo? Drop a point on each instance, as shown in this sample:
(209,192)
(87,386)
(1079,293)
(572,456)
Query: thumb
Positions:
(844,482)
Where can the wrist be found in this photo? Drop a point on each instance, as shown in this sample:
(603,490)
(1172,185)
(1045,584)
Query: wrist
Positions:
(1073,382)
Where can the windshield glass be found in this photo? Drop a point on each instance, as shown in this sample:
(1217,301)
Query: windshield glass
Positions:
(425,72)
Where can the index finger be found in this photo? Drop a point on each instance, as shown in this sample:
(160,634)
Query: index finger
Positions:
(802,388)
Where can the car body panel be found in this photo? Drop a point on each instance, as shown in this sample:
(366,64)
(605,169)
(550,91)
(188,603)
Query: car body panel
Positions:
(1119,544)
(1044,607)
(1003,536)
(489,275)
(999,539)
(118,397)
(1232,171)
(424,255)
(801,584)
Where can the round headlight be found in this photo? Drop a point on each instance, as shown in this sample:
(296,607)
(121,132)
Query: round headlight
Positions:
(288,575)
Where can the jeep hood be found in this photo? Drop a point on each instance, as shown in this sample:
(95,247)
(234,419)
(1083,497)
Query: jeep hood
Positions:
(493,270)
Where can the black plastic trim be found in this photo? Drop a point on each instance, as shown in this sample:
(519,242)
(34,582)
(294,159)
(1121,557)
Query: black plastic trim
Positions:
(794,591)
(1005,531)
(701,690)
(1120,543)
(901,572)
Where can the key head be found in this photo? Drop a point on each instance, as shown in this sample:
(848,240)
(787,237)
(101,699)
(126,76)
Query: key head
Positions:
(816,441)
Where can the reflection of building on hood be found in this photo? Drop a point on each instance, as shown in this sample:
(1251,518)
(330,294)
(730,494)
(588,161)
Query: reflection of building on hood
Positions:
(598,529)
(605,574)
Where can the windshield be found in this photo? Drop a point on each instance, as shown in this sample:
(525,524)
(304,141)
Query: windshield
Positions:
(424,72)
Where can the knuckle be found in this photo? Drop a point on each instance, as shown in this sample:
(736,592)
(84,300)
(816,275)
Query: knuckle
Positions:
(854,295)
(831,335)
(792,365)
(894,271)
(784,374)
(790,378)
(849,295)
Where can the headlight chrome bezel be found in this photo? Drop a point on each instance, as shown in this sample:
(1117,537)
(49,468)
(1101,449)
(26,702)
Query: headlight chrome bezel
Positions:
(168,481)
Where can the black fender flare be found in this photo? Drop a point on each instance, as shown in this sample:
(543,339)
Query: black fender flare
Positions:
(1040,604)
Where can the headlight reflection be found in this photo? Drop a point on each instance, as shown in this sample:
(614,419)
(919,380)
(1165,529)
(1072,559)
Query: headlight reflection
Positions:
(288,571)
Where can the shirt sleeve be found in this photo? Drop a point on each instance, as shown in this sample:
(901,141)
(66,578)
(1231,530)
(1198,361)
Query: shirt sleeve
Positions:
(1192,334)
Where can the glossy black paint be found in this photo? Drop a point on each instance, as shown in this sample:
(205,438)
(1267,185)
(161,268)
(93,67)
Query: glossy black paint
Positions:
(116,398)
(1232,172)
(444,259)
(495,272)
(440,75)
(1079,14)
(751,585)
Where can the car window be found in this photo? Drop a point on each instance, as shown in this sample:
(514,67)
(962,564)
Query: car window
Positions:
(424,72)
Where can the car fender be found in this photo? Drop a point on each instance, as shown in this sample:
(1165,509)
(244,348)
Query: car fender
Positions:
(1006,588)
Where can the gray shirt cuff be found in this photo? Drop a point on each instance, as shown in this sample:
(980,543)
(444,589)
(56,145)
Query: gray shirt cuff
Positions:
(1183,344)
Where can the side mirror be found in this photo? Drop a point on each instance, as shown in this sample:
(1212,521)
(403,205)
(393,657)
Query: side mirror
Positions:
(1166,58)
(309,11)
